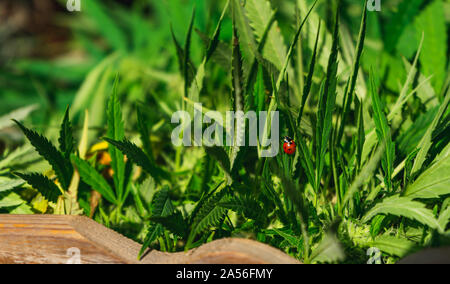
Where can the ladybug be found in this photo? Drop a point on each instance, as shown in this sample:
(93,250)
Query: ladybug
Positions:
(289,146)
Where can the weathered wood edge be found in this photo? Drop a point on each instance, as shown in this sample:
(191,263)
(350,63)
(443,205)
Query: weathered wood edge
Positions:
(45,239)
(23,232)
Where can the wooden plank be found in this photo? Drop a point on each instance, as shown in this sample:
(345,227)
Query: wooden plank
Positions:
(69,239)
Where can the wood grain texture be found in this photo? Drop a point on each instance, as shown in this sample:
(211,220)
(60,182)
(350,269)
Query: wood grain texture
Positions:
(47,239)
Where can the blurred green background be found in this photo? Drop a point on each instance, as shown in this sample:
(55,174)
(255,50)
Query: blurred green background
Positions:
(50,57)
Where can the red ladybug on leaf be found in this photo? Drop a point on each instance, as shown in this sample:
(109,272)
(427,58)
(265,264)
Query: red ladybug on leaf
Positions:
(289,145)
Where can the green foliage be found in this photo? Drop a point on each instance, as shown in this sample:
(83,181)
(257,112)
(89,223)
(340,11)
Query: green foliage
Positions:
(291,239)
(405,207)
(63,169)
(138,156)
(221,157)
(6,185)
(209,214)
(432,183)
(328,250)
(18,114)
(326,106)
(66,141)
(116,131)
(246,206)
(407,10)
(432,22)
(153,233)
(10,200)
(109,28)
(94,179)
(173,223)
(394,246)
(162,206)
(426,142)
(384,135)
(246,38)
(351,85)
(444,217)
(214,43)
(308,85)
(45,186)
(144,133)
(372,160)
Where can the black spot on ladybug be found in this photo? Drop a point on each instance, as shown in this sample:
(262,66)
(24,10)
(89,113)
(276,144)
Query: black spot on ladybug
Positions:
(289,146)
